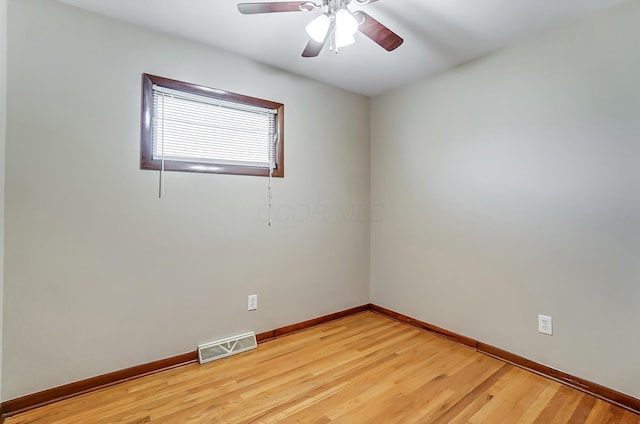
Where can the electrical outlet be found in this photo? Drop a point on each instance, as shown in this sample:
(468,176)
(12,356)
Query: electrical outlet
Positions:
(252,302)
(545,324)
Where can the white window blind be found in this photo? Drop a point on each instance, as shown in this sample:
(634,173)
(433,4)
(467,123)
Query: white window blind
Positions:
(195,128)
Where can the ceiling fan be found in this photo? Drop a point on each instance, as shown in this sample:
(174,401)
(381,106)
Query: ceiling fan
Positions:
(337,24)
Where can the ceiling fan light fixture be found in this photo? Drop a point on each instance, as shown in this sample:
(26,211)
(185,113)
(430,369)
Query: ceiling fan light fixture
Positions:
(317,29)
(343,39)
(346,22)
(346,27)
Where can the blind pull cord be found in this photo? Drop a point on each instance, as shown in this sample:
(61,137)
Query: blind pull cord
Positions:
(270,175)
(271,165)
(161,188)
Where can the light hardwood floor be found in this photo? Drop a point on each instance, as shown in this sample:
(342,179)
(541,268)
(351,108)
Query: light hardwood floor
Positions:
(361,369)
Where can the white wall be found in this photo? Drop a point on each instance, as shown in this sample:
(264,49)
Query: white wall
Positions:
(510,187)
(100,274)
(3,132)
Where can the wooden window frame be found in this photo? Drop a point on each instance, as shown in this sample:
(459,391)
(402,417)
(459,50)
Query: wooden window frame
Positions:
(146,140)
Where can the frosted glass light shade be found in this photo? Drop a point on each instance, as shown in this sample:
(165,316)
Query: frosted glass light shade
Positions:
(317,29)
(343,39)
(346,22)
(346,26)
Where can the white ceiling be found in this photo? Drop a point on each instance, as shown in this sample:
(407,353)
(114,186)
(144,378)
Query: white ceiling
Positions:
(438,34)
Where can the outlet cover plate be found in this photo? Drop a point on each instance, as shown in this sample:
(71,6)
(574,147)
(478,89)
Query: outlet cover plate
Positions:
(252,302)
(545,324)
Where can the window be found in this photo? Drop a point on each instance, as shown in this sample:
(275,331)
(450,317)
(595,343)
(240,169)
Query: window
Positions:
(187,127)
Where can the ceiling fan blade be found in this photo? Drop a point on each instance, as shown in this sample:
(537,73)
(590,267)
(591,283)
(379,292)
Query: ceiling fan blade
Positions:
(379,33)
(314,47)
(288,6)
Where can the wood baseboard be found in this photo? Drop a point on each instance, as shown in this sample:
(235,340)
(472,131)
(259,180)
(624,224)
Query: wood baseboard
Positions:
(283,331)
(45,397)
(622,400)
(28,402)
(458,338)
